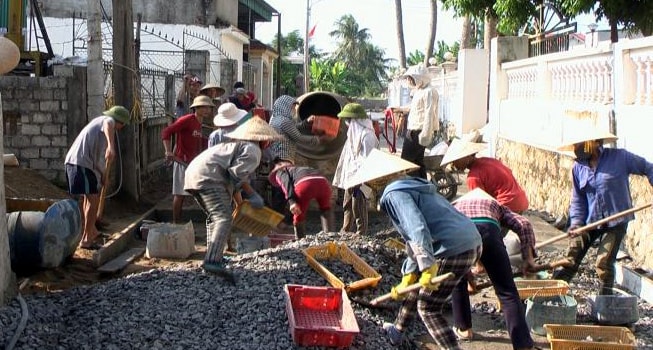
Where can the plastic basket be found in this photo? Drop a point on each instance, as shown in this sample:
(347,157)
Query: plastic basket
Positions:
(559,309)
(320,316)
(279,238)
(565,337)
(324,124)
(394,244)
(541,288)
(341,251)
(258,222)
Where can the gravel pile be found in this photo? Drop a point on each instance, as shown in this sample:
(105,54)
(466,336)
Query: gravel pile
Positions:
(184,308)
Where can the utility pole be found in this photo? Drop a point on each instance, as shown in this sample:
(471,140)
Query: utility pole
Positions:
(95,71)
(125,77)
(307,58)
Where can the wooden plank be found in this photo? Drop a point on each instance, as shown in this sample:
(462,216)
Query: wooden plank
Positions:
(122,260)
(124,238)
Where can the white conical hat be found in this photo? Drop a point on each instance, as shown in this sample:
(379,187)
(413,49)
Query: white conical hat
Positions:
(578,135)
(9,55)
(476,193)
(459,149)
(377,165)
(254,129)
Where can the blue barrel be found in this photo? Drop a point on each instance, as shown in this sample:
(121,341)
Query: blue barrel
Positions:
(24,238)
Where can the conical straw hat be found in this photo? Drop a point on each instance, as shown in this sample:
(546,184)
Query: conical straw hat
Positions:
(476,193)
(377,165)
(578,135)
(254,129)
(9,55)
(460,149)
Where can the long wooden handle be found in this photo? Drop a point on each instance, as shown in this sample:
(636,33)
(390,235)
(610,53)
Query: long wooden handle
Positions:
(103,193)
(412,288)
(593,225)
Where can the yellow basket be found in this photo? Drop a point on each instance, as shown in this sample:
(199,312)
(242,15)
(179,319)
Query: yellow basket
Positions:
(258,222)
(570,337)
(394,244)
(541,288)
(341,251)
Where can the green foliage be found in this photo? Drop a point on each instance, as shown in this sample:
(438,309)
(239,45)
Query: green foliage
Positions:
(441,49)
(415,57)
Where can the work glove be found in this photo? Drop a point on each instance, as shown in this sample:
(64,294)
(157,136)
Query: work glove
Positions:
(427,275)
(406,281)
(255,200)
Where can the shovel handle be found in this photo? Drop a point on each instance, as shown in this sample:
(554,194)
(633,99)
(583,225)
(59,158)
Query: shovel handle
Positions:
(593,225)
(412,288)
(103,192)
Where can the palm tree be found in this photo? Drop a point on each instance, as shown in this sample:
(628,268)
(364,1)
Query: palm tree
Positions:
(432,31)
(466,33)
(400,34)
(350,36)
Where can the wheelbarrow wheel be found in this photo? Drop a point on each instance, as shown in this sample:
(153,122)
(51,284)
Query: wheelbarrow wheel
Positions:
(445,183)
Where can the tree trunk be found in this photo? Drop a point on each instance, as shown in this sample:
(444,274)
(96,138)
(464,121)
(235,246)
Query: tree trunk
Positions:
(400,34)
(490,30)
(465,37)
(614,34)
(432,31)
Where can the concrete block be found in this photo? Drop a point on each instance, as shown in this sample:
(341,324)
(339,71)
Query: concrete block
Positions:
(19,142)
(7,93)
(41,141)
(31,83)
(58,164)
(29,153)
(29,106)
(8,82)
(43,94)
(64,105)
(41,118)
(23,94)
(53,83)
(51,129)
(60,117)
(50,152)
(59,94)
(62,71)
(49,106)
(38,164)
(30,129)
(59,141)
(639,285)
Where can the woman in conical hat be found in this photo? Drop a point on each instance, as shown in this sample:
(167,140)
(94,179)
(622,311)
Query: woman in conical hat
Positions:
(218,175)
(489,174)
(439,239)
(600,188)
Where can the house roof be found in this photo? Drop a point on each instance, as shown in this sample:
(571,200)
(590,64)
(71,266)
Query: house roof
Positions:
(261,10)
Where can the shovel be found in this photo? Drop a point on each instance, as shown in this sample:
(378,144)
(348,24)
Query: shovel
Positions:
(103,193)
(593,225)
(412,288)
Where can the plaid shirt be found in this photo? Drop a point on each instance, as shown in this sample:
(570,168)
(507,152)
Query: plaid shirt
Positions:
(480,208)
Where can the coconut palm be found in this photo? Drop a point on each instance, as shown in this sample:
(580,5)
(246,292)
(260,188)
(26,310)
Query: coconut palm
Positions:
(350,37)
(432,31)
(400,34)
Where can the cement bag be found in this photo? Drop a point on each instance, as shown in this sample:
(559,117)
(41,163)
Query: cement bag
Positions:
(513,247)
(165,240)
(60,233)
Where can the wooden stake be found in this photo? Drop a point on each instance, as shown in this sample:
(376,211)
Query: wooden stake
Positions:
(103,193)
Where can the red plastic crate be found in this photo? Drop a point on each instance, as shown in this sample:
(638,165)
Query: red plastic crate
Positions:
(279,238)
(320,316)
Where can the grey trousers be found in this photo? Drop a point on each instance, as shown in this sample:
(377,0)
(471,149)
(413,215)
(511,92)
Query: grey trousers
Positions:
(216,203)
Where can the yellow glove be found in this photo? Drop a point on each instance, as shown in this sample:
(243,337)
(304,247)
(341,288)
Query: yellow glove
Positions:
(406,281)
(427,275)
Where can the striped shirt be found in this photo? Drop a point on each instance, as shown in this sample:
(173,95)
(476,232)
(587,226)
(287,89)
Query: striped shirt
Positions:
(489,210)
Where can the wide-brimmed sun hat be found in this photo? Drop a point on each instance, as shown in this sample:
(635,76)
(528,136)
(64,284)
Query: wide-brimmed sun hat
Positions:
(202,101)
(476,193)
(209,86)
(254,129)
(583,134)
(378,165)
(119,114)
(459,149)
(228,115)
(353,111)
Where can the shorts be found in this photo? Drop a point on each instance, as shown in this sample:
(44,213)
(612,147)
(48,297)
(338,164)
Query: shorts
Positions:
(178,177)
(81,180)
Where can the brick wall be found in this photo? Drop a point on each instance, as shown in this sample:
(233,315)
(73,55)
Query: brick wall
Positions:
(40,114)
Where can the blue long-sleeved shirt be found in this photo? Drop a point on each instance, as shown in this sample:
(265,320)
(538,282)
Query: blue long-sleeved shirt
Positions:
(604,191)
(430,225)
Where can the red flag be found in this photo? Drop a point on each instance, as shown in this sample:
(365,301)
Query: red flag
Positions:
(312,31)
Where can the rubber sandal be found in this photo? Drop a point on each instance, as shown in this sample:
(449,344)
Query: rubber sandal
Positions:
(467,335)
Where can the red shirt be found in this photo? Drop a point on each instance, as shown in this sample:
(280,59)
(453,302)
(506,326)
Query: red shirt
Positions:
(188,132)
(496,179)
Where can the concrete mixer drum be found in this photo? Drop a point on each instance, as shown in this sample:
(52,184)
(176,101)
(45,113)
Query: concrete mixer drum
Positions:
(326,104)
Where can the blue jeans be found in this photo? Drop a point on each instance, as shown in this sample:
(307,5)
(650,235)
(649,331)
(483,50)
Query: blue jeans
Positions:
(497,265)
